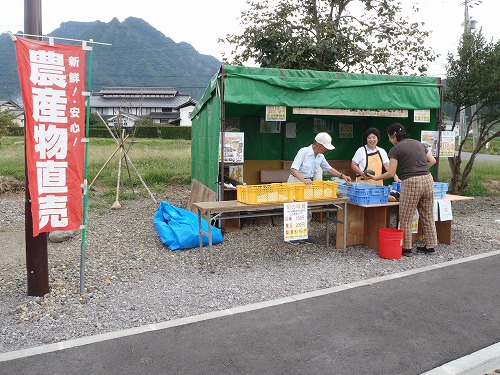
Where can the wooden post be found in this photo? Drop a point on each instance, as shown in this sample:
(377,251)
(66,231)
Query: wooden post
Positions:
(36,247)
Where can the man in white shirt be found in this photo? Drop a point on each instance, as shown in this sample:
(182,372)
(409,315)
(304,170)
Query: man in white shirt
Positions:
(309,164)
(310,159)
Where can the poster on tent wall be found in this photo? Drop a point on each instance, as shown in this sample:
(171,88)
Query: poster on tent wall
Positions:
(233,150)
(52,80)
(447,146)
(430,138)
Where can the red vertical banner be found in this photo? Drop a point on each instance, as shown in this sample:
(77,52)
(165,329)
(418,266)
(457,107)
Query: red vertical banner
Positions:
(52,80)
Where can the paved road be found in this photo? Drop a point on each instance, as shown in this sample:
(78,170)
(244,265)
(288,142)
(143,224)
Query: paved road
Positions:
(482,157)
(408,323)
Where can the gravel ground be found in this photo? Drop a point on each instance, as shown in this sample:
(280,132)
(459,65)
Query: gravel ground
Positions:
(132,279)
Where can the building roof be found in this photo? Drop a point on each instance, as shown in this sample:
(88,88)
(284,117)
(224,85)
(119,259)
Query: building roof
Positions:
(98,101)
(163,115)
(127,115)
(138,91)
(9,103)
(191,102)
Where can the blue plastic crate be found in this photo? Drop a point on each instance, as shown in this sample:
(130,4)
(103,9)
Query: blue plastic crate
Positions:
(396,186)
(440,189)
(361,193)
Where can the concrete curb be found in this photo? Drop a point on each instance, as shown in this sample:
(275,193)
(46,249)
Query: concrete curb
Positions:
(481,362)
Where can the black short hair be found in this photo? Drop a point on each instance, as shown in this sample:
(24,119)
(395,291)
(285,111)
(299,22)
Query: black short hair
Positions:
(373,131)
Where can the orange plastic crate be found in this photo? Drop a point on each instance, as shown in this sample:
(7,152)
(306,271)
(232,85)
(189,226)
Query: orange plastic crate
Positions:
(317,191)
(268,193)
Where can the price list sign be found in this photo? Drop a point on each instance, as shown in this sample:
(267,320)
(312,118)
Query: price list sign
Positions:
(295,221)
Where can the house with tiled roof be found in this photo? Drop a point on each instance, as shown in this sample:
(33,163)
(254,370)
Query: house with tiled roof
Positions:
(164,105)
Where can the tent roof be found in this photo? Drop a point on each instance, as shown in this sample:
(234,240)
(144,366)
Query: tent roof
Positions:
(318,89)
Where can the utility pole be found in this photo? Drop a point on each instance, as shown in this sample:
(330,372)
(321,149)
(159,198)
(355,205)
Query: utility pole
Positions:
(469,25)
(37,265)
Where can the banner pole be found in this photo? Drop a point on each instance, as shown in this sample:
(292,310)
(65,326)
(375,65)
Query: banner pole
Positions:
(85,178)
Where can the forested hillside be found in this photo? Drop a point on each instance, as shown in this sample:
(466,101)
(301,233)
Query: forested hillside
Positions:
(139,55)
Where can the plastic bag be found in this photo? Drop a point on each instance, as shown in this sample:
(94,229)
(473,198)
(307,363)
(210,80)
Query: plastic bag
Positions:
(178,228)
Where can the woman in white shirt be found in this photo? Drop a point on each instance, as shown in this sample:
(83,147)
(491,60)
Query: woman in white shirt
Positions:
(370,157)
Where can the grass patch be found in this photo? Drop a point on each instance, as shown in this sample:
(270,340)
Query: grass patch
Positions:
(12,157)
(493,149)
(162,162)
(482,181)
(159,162)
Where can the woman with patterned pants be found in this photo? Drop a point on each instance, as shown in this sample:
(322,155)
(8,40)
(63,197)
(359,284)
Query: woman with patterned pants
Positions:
(417,186)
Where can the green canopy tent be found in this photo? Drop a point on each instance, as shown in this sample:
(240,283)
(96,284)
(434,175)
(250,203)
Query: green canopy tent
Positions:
(237,96)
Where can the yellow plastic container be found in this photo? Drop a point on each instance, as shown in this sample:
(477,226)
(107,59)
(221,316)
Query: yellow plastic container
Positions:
(267,193)
(317,191)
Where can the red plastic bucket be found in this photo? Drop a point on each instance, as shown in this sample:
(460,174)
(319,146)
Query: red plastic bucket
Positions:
(390,243)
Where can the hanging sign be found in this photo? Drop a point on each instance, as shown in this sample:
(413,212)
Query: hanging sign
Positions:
(422,115)
(403,113)
(295,221)
(52,78)
(275,113)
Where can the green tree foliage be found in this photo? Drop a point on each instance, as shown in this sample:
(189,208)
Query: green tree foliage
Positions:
(147,121)
(6,118)
(94,119)
(473,79)
(366,36)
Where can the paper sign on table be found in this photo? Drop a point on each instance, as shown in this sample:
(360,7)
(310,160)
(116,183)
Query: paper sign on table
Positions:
(445,213)
(295,221)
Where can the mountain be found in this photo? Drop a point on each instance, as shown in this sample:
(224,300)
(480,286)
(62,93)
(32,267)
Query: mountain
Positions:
(139,55)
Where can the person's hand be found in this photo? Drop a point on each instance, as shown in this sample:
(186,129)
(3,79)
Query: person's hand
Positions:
(373,177)
(368,173)
(347,178)
(308,181)
(396,178)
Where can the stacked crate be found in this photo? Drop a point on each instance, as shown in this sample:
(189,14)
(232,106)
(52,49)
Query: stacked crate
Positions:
(363,193)
(286,192)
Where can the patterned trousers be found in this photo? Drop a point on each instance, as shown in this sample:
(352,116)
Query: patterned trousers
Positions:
(418,193)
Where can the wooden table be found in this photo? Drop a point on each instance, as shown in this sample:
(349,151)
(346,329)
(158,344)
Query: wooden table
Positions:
(364,221)
(222,210)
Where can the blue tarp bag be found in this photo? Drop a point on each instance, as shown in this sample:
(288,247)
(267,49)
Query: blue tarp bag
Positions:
(178,228)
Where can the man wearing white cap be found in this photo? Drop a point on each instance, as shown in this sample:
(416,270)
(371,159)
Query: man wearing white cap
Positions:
(309,159)
(309,162)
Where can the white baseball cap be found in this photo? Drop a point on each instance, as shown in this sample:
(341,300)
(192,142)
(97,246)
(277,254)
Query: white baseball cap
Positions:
(325,140)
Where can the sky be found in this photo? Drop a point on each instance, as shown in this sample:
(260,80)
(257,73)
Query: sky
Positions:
(202,22)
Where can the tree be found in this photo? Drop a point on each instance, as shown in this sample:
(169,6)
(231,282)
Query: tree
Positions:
(473,79)
(329,35)
(6,118)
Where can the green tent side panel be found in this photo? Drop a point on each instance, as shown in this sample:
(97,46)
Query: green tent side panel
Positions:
(205,138)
